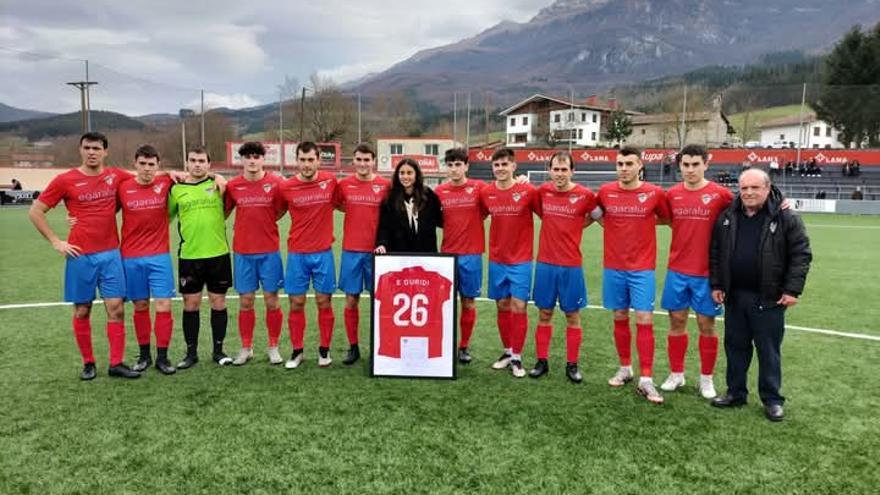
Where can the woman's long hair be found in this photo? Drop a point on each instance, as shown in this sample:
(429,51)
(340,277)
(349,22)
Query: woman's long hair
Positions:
(397,194)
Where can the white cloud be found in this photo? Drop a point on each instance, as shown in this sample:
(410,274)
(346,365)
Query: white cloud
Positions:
(152,56)
(215,100)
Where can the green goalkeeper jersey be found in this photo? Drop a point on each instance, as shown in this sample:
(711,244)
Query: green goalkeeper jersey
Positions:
(201,221)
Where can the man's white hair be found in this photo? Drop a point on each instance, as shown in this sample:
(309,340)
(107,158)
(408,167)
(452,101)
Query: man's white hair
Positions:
(755,171)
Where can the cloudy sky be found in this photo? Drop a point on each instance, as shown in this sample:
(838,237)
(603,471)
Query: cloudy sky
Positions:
(154,56)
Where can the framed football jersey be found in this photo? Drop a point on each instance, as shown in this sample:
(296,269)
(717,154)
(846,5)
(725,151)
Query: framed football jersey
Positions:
(413,316)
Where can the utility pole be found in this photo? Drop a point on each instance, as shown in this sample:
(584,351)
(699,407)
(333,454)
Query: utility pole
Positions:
(83,87)
(454,116)
(281,128)
(801,132)
(467,130)
(203,117)
(570,120)
(486,109)
(302,114)
(359,118)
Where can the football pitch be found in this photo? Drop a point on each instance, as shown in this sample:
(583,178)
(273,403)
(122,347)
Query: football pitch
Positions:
(263,429)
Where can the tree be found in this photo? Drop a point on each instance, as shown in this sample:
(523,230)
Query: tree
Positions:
(330,114)
(619,126)
(849,98)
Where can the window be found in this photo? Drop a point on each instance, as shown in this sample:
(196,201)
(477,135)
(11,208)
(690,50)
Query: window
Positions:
(643,132)
(556,118)
(512,121)
(571,116)
(396,148)
(782,137)
(815,146)
(525,121)
(593,135)
(583,117)
(828,131)
(595,118)
(432,149)
(817,131)
(580,133)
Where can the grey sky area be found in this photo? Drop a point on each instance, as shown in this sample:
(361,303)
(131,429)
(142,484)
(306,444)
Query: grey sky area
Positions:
(154,56)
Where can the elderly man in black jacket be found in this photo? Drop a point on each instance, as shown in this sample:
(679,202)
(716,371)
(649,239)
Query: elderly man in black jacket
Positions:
(758,264)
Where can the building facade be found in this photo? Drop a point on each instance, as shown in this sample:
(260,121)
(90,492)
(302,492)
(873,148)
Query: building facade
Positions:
(542,120)
(787,132)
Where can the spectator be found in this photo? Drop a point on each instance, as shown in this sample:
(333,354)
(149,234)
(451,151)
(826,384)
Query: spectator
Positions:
(820,194)
(774,167)
(16,185)
(847,171)
(857,194)
(855,169)
(789,168)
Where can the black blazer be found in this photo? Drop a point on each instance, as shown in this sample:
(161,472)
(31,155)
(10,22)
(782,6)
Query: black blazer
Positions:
(396,234)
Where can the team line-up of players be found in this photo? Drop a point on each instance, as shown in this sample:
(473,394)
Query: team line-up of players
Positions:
(140,268)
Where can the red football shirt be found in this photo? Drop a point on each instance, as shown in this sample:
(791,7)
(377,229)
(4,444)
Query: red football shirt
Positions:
(311,206)
(463,231)
(91,199)
(563,215)
(144,217)
(257,206)
(511,233)
(630,219)
(693,217)
(360,200)
(411,306)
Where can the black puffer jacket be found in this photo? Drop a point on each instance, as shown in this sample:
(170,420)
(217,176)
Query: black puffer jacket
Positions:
(784,254)
(394,230)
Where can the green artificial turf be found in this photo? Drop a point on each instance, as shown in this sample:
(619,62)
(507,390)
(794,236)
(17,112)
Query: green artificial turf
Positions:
(263,429)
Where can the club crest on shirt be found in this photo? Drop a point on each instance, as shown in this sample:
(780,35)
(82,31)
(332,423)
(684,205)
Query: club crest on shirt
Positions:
(323,184)
(516,197)
(469,189)
(109,180)
(574,198)
(376,188)
(706,199)
(267,187)
(157,188)
(209,189)
(642,197)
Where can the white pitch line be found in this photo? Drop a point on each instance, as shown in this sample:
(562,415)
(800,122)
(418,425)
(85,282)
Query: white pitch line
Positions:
(822,331)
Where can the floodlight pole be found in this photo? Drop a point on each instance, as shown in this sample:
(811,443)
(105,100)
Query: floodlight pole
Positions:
(203,117)
(281,128)
(800,133)
(83,87)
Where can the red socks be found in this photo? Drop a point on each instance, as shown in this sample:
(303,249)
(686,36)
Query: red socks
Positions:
(296,323)
(676,347)
(164,326)
(503,320)
(645,348)
(708,353)
(273,325)
(352,321)
(82,332)
(519,327)
(543,334)
(142,326)
(623,341)
(116,337)
(246,321)
(467,321)
(326,320)
(573,337)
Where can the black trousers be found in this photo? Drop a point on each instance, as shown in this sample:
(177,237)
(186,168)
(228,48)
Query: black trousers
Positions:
(747,323)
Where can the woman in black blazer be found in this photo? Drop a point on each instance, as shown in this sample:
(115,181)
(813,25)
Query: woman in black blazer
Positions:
(410,214)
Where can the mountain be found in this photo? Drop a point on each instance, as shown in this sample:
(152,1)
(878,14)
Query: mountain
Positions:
(11,114)
(592,44)
(69,124)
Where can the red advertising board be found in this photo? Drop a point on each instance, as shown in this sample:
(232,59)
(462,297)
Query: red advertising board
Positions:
(719,155)
(331,157)
(428,163)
